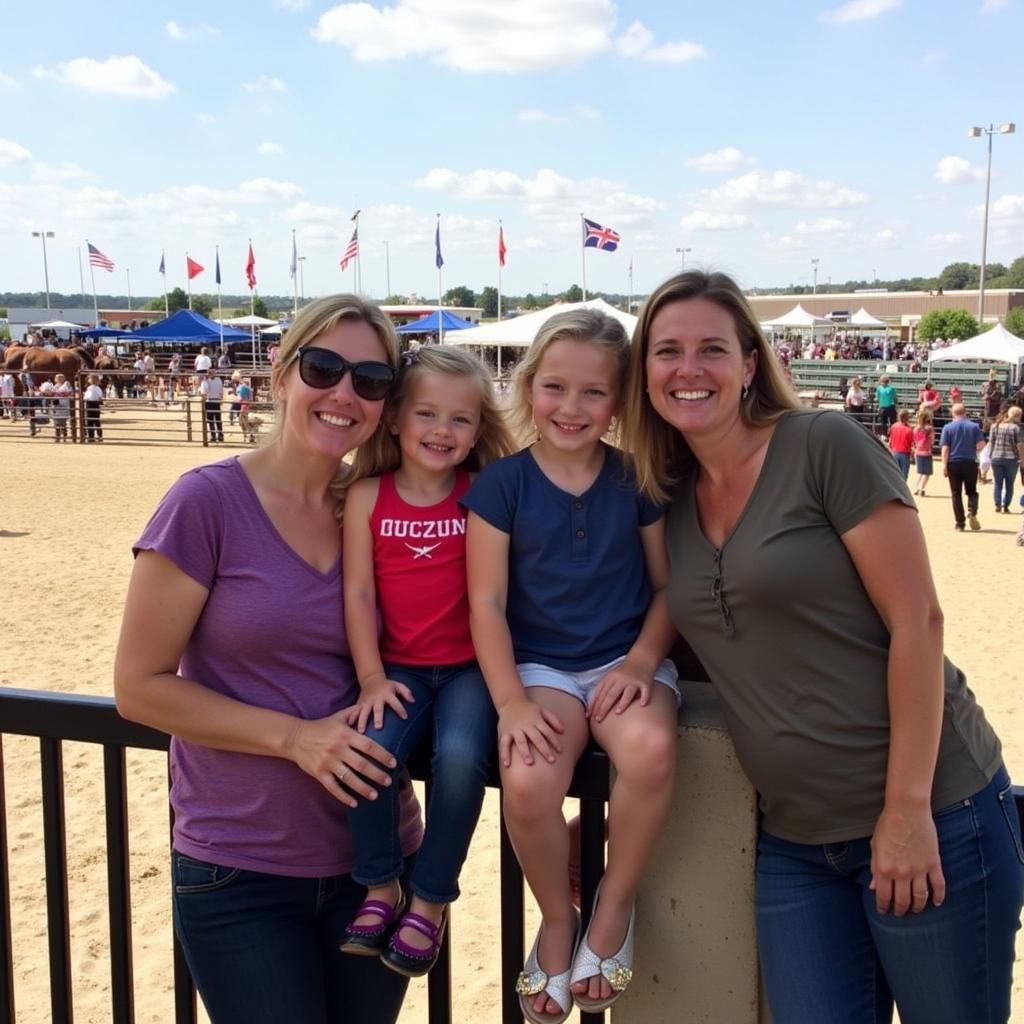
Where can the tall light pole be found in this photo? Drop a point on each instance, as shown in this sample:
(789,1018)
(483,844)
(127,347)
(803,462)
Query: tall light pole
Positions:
(302,279)
(43,236)
(975,132)
(387,265)
(682,256)
(814,263)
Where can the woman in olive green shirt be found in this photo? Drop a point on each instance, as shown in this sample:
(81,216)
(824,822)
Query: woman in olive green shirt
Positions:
(890,861)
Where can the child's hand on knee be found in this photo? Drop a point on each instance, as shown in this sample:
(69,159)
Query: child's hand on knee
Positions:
(376,694)
(619,688)
(523,724)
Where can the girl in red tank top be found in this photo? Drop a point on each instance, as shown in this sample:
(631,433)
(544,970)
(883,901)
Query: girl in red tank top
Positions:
(405,572)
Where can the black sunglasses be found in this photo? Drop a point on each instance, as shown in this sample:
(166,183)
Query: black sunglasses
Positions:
(323,368)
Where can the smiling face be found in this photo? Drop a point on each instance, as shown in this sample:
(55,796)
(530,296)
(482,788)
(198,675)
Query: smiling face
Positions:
(438,421)
(332,421)
(574,394)
(696,369)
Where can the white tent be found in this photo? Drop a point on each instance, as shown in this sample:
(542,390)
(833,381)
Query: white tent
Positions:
(248,321)
(995,346)
(799,318)
(864,320)
(521,330)
(58,325)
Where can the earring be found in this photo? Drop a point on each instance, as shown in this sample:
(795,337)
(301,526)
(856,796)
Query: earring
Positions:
(746,389)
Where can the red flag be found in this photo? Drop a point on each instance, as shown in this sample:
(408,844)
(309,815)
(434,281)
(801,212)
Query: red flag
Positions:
(250,269)
(194,269)
(501,246)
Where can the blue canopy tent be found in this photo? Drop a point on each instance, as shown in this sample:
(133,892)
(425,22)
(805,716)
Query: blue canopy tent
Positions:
(186,326)
(434,323)
(101,332)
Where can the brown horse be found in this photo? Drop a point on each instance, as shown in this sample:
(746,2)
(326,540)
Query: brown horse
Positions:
(46,363)
(103,364)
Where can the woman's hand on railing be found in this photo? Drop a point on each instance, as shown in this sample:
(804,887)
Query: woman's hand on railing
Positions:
(340,758)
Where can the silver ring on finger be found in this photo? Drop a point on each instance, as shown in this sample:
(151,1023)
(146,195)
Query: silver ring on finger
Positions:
(344,772)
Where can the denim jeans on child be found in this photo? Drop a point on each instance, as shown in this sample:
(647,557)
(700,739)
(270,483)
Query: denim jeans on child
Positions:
(454,700)
(830,957)
(263,948)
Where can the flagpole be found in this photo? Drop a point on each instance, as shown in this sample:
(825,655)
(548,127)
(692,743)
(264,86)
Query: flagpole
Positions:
(295,276)
(220,309)
(501,239)
(95,301)
(188,281)
(163,272)
(629,300)
(252,312)
(359,258)
(583,256)
(440,307)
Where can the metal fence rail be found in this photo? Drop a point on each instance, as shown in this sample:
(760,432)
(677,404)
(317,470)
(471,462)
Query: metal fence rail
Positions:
(58,717)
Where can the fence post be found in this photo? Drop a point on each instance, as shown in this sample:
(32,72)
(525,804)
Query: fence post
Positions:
(188,417)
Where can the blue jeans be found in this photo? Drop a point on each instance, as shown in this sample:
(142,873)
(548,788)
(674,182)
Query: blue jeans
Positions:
(263,948)
(454,699)
(903,461)
(1003,473)
(829,957)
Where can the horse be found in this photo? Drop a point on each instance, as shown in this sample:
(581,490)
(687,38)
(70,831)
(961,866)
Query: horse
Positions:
(105,363)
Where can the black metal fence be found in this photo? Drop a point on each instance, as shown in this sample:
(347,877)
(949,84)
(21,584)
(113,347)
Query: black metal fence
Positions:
(58,717)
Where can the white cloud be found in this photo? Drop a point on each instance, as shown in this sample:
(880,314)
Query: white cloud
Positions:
(1007,208)
(118,76)
(65,171)
(955,170)
(270,148)
(536,115)
(6,82)
(529,35)
(179,33)
(262,190)
(729,158)
(588,113)
(702,220)
(779,188)
(12,153)
(950,238)
(823,226)
(294,6)
(991,6)
(100,204)
(859,10)
(884,237)
(265,83)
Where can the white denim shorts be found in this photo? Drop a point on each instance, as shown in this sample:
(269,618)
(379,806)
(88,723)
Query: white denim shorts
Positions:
(582,685)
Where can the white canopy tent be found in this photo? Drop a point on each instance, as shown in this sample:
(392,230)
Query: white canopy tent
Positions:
(797,318)
(520,331)
(995,346)
(248,321)
(866,322)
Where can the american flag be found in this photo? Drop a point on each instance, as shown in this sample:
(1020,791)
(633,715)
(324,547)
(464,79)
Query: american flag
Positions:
(97,259)
(352,249)
(598,237)
(501,246)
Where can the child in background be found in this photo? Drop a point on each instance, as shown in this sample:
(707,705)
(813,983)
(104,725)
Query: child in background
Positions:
(93,399)
(924,442)
(567,568)
(62,392)
(405,552)
(901,441)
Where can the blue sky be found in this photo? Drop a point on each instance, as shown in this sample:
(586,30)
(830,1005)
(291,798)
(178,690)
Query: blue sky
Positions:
(758,136)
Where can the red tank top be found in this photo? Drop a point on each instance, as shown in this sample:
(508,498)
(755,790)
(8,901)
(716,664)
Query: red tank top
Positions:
(419,564)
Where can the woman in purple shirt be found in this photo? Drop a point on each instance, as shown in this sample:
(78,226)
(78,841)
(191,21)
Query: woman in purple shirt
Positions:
(233,641)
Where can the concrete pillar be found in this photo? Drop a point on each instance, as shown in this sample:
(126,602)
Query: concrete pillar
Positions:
(696,956)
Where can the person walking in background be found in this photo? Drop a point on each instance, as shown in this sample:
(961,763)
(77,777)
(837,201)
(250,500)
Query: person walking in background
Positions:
(924,444)
(856,400)
(901,441)
(211,387)
(1007,442)
(885,396)
(961,441)
(93,398)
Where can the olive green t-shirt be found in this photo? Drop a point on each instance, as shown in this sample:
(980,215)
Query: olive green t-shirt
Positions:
(795,648)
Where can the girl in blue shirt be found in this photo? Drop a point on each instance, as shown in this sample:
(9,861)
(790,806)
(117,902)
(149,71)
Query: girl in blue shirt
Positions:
(567,568)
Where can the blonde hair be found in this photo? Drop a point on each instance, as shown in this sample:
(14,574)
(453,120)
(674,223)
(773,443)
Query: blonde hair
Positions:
(1013,414)
(925,418)
(312,321)
(659,451)
(589,325)
(383,453)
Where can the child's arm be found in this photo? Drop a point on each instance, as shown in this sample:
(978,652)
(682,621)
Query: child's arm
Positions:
(521,722)
(376,690)
(635,676)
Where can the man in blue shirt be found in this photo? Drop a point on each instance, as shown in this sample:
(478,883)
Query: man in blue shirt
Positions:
(961,440)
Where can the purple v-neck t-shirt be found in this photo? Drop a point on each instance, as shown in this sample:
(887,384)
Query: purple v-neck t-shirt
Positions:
(271,634)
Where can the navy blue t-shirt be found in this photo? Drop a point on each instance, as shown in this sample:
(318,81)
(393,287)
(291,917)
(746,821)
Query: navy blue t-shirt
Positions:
(962,436)
(578,589)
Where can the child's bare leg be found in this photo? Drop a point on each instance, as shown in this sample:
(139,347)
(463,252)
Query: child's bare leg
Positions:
(641,743)
(532,805)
